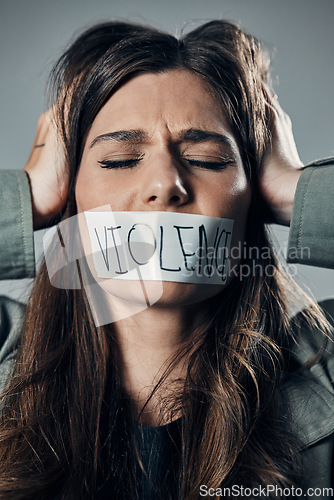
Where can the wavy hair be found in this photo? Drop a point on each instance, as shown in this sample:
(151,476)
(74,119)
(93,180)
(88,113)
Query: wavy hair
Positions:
(68,429)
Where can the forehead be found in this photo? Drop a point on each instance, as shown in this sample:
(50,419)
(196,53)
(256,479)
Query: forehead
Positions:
(175,99)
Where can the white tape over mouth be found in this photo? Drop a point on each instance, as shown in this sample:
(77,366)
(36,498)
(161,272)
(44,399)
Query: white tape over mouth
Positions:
(164,246)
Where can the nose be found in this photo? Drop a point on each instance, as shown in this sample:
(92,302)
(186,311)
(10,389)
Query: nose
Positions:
(164,184)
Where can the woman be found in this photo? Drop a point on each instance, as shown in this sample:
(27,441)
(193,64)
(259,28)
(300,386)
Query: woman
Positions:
(200,390)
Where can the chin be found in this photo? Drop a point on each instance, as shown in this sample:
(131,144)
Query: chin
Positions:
(159,293)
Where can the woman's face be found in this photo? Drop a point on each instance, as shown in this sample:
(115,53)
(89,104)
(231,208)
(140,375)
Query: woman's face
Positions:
(162,142)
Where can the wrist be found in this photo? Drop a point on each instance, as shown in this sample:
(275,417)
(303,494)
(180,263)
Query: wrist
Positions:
(284,207)
(39,218)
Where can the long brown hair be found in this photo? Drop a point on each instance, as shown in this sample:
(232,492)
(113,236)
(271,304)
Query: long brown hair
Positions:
(67,426)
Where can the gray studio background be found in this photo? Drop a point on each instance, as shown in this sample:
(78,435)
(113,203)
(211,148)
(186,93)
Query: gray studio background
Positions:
(298,33)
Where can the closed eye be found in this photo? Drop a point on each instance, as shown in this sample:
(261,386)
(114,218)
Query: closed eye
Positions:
(131,162)
(209,165)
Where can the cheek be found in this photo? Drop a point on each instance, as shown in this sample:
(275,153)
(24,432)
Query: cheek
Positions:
(234,204)
(240,203)
(85,191)
(91,192)
(101,189)
(233,196)
(240,195)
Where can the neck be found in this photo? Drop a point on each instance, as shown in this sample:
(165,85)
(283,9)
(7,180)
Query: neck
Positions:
(147,343)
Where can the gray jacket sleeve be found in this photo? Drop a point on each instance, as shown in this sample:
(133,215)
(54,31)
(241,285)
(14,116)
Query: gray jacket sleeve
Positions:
(311,236)
(17,259)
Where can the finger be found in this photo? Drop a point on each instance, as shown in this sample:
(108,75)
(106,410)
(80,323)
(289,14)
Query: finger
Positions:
(269,93)
(272,101)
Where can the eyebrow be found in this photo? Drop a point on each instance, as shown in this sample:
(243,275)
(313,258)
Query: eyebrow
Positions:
(191,135)
(199,135)
(121,136)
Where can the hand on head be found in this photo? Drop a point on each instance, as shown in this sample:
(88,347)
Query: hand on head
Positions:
(281,167)
(47,172)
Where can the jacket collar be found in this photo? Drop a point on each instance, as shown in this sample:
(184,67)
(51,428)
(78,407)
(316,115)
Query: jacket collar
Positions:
(310,409)
(310,393)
